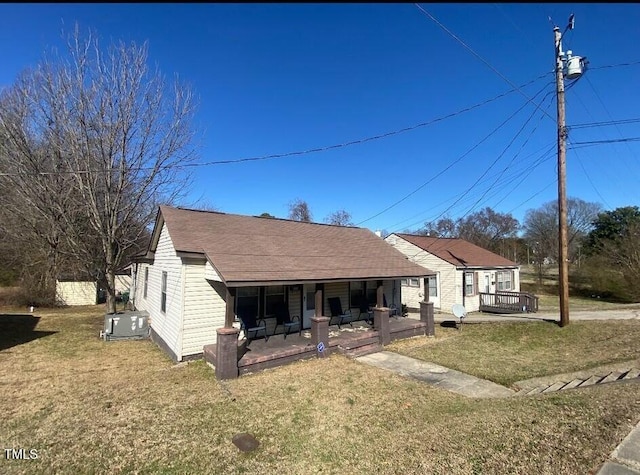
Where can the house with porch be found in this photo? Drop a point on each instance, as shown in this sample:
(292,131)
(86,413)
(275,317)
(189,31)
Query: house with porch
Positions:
(464,274)
(203,268)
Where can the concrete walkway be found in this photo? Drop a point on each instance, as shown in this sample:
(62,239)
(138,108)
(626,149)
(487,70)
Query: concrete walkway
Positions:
(624,460)
(436,375)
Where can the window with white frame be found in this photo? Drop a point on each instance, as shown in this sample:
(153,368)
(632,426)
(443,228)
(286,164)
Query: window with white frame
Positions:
(146,282)
(469,288)
(504,280)
(163,293)
(433,286)
(413,282)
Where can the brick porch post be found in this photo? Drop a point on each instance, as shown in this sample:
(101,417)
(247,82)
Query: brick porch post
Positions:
(227,353)
(320,332)
(381,324)
(426,316)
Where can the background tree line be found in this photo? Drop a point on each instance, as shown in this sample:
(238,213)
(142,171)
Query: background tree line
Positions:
(92,141)
(604,246)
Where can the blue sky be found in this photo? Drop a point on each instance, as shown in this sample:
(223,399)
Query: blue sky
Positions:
(280,78)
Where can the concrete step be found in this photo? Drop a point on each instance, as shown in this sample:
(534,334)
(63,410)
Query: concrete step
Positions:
(611,377)
(536,390)
(581,383)
(555,387)
(591,381)
(573,384)
(364,350)
(355,344)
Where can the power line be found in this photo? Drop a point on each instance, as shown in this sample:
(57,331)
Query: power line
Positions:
(451,164)
(598,142)
(590,181)
(619,65)
(629,169)
(607,112)
(604,123)
(533,196)
(299,152)
(493,163)
(522,175)
(466,192)
(514,157)
(502,76)
(546,157)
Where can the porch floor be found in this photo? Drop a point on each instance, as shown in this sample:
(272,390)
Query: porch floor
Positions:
(357,339)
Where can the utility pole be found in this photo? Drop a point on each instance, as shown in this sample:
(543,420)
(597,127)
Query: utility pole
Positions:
(575,66)
(562,191)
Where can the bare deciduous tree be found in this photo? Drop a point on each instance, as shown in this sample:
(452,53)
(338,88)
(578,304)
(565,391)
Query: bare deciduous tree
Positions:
(444,227)
(541,229)
(485,228)
(339,218)
(115,140)
(299,211)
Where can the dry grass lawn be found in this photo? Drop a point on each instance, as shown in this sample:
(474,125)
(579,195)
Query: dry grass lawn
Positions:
(510,352)
(90,406)
(547,292)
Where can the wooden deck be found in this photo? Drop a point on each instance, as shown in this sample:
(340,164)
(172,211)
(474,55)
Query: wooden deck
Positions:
(355,340)
(508,302)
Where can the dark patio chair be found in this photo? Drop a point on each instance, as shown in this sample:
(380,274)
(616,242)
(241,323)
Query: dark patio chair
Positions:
(284,318)
(336,312)
(365,311)
(393,309)
(251,324)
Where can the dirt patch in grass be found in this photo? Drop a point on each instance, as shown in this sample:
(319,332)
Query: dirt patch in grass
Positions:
(90,406)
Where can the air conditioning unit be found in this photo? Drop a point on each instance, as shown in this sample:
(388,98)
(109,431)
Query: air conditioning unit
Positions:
(127,325)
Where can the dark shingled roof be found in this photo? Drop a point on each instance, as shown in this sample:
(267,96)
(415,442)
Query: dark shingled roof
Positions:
(245,249)
(458,251)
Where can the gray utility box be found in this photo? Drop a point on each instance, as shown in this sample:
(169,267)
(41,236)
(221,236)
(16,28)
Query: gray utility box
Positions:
(127,325)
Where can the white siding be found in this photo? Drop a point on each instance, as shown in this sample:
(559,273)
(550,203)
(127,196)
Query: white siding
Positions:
(336,289)
(123,283)
(139,301)
(210,273)
(76,293)
(204,308)
(450,279)
(295,302)
(449,284)
(472,302)
(167,325)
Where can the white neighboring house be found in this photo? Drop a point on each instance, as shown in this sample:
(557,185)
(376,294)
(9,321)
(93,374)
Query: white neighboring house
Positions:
(196,260)
(463,271)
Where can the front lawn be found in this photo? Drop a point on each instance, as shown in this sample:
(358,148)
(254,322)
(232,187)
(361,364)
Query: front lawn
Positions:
(510,352)
(89,406)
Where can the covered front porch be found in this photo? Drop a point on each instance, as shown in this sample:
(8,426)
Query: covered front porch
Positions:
(353,340)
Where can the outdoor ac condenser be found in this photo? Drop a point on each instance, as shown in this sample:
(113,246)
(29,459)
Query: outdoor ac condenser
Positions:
(128,325)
